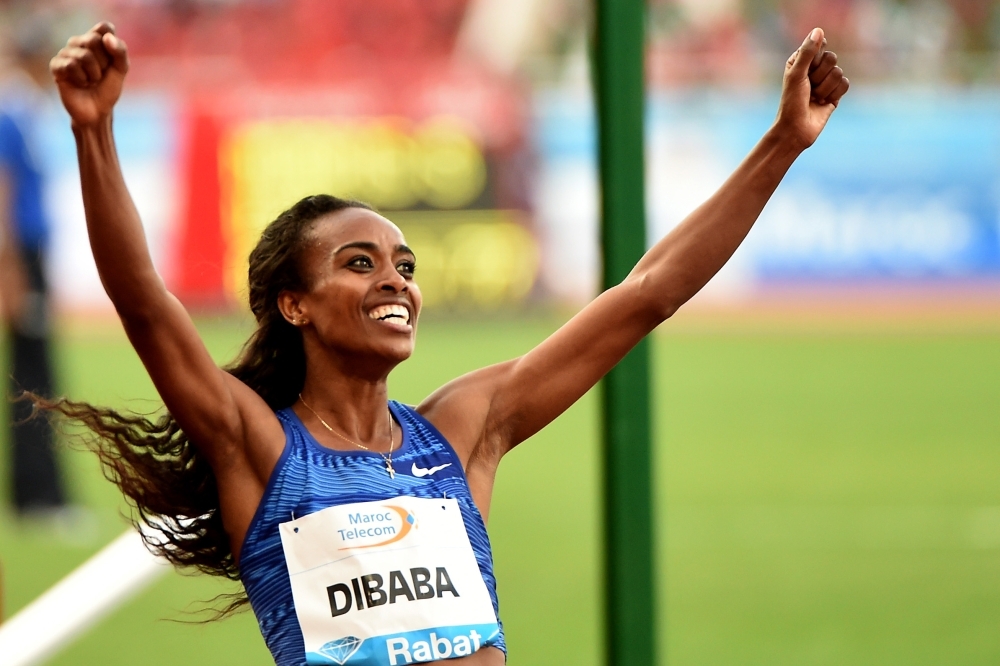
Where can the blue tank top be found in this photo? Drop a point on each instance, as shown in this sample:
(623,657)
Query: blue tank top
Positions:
(310,477)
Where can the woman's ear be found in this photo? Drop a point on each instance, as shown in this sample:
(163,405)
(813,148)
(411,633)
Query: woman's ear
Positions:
(291,308)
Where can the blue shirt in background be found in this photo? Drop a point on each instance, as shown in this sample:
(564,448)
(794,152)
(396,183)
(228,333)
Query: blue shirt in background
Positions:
(19,111)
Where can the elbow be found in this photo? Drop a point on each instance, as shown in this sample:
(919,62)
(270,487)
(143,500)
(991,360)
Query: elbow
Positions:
(662,308)
(134,318)
(138,309)
(656,303)
(667,310)
(663,311)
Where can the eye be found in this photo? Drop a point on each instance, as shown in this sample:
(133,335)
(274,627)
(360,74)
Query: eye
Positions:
(406,268)
(361,262)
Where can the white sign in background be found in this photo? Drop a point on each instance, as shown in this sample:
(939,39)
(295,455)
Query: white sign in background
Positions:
(147,138)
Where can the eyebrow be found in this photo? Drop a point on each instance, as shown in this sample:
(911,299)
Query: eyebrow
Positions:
(372,247)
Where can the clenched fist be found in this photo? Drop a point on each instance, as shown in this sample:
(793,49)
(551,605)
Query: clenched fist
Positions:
(812,89)
(89,73)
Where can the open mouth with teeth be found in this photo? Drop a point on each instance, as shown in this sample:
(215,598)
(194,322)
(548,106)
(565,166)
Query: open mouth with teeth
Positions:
(396,314)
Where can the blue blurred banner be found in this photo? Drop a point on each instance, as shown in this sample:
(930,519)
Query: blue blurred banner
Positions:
(902,186)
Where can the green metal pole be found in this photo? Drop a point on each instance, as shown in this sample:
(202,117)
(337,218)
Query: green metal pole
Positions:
(628,523)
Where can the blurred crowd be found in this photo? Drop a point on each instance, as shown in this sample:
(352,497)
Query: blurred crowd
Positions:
(692,42)
(205,43)
(918,41)
(737,42)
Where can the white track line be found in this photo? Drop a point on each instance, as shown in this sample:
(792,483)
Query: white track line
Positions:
(94,589)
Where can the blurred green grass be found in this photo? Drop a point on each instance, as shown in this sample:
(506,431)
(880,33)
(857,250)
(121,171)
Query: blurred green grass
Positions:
(823,498)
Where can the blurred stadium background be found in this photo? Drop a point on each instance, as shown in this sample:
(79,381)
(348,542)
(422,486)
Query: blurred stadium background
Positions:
(826,411)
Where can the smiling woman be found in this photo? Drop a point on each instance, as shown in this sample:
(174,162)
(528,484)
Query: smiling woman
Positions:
(356,524)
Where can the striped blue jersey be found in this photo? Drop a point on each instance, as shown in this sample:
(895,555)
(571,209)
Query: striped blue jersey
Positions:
(310,477)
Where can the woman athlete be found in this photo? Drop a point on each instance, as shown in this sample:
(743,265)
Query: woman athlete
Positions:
(356,524)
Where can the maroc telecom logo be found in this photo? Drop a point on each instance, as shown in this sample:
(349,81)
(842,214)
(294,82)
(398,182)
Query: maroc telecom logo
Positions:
(407,521)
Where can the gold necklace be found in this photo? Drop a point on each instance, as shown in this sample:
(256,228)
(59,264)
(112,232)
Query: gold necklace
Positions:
(386,458)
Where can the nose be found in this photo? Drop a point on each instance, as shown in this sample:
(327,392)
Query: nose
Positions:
(393,282)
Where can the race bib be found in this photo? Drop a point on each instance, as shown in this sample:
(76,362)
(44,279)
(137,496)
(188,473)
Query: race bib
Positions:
(387,583)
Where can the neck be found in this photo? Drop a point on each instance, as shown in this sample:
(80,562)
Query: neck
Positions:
(354,407)
(348,390)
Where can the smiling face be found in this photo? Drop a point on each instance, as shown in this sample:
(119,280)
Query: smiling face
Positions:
(362,301)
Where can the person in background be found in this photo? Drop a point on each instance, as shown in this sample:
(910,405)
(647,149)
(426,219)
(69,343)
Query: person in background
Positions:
(36,482)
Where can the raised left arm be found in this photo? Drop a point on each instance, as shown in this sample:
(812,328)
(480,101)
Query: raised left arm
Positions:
(502,405)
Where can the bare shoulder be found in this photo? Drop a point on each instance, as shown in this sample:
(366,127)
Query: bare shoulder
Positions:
(461,409)
(244,463)
(253,442)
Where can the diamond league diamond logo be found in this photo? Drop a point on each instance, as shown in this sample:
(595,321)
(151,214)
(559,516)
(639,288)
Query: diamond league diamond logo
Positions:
(341,649)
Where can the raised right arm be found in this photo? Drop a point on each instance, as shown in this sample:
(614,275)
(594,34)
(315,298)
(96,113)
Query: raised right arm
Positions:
(212,407)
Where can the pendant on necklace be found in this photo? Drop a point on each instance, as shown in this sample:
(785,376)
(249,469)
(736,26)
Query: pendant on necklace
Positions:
(388,468)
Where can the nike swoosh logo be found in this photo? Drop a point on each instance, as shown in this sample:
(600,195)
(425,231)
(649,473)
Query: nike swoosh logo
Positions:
(421,472)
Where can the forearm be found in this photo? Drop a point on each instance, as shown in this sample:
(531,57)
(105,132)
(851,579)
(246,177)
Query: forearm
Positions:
(526,394)
(116,235)
(678,266)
